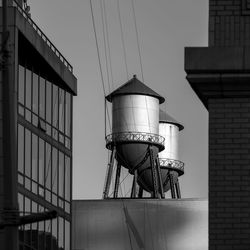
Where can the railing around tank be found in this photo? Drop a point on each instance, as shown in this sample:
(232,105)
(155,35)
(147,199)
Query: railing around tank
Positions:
(143,137)
(43,36)
(172,164)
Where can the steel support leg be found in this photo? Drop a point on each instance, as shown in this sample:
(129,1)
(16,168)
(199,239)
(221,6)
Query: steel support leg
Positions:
(154,175)
(172,185)
(177,188)
(140,195)
(117,180)
(133,191)
(158,169)
(109,174)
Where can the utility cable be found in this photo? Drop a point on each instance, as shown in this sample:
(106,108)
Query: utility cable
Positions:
(108,42)
(137,38)
(105,43)
(99,58)
(97,46)
(122,38)
(139,53)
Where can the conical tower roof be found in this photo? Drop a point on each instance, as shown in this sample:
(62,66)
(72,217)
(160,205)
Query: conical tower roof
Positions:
(166,118)
(134,87)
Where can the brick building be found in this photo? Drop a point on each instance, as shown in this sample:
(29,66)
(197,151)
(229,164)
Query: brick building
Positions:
(220,75)
(35,135)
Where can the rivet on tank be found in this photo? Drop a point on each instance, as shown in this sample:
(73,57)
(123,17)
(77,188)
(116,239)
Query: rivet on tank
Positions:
(135,141)
(170,165)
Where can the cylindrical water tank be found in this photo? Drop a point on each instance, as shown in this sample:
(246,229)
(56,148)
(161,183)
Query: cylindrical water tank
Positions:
(169,128)
(169,158)
(135,124)
(137,113)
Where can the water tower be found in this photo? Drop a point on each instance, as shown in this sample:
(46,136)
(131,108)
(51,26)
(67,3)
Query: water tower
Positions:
(170,165)
(135,141)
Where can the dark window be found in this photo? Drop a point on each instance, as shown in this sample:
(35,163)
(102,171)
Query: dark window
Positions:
(34,162)
(41,166)
(67,235)
(55,106)
(67,179)
(35,93)
(21,84)
(48,172)
(48,101)
(61,174)
(49,234)
(61,109)
(28,94)
(45,105)
(61,233)
(20,204)
(27,158)
(27,227)
(54,229)
(47,230)
(54,169)
(42,98)
(68,115)
(21,149)
(28,89)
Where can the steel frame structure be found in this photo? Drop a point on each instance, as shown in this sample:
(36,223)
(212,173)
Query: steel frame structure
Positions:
(156,164)
(173,166)
(158,191)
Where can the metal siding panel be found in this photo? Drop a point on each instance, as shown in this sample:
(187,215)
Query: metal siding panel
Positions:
(157,224)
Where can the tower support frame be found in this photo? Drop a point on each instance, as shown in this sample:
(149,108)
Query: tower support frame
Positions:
(109,174)
(172,188)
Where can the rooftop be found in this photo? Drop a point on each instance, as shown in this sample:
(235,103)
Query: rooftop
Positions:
(132,87)
(166,118)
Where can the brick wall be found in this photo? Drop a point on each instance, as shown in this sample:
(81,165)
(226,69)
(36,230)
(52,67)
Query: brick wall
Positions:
(1,153)
(229,173)
(220,76)
(229,137)
(229,22)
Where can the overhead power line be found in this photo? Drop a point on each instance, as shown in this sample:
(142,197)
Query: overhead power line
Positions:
(105,36)
(122,38)
(99,60)
(137,38)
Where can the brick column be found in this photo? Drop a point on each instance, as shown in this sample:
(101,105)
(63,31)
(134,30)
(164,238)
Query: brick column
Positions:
(220,76)
(229,173)
(1,158)
(229,23)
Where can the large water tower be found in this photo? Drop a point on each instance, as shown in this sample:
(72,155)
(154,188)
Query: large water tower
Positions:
(170,165)
(135,141)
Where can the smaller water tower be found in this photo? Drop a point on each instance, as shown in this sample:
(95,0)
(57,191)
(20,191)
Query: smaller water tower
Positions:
(170,165)
(135,141)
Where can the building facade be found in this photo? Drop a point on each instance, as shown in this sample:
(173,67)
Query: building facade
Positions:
(219,74)
(41,88)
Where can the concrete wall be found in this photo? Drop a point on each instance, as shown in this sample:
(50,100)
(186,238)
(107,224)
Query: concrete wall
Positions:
(140,224)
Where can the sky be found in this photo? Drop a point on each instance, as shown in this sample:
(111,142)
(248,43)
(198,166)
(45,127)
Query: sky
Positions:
(165,28)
